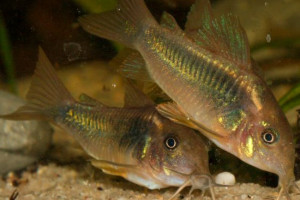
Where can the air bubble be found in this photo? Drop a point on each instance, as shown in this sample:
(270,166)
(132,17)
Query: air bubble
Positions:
(268,38)
(266,3)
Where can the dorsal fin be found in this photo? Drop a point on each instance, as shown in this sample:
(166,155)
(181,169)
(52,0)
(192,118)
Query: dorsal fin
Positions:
(222,35)
(84,98)
(168,21)
(130,64)
(200,15)
(134,97)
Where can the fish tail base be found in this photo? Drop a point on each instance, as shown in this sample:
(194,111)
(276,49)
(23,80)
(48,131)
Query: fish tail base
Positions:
(123,24)
(46,93)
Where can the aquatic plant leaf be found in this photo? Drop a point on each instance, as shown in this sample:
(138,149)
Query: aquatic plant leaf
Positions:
(6,54)
(291,99)
(96,6)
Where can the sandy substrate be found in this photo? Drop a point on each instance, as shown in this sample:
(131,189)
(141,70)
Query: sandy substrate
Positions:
(81,181)
(66,173)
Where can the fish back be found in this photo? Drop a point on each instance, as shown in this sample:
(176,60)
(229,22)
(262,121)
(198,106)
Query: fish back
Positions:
(112,134)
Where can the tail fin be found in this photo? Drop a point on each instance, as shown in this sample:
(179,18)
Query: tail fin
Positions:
(122,24)
(45,93)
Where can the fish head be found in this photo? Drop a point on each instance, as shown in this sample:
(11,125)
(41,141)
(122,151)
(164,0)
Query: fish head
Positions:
(267,141)
(176,151)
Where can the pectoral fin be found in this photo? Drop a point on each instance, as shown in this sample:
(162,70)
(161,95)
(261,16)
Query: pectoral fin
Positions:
(130,64)
(176,114)
(113,168)
(173,112)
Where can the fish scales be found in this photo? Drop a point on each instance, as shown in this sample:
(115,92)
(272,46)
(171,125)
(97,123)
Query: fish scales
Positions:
(203,77)
(134,142)
(208,72)
(126,128)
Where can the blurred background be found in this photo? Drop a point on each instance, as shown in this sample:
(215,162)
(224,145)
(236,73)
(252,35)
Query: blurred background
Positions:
(272,26)
(273,29)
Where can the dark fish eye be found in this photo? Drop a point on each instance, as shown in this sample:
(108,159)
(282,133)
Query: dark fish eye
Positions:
(171,143)
(269,136)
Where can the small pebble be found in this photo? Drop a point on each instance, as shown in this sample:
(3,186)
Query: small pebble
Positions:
(225,178)
(21,142)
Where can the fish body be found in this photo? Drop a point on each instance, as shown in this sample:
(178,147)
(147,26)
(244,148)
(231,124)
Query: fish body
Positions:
(135,137)
(134,142)
(207,70)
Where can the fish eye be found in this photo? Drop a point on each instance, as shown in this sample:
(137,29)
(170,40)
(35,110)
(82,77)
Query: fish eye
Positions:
(269,136)
(171,142)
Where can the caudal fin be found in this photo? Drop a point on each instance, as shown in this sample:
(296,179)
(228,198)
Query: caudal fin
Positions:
(122,24)
(46,92)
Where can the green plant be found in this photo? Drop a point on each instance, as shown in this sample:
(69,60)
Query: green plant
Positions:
(291,99)
(6,55)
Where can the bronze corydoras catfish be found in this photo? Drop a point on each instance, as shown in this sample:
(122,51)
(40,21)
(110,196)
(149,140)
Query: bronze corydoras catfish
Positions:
(207,70)
(134,142)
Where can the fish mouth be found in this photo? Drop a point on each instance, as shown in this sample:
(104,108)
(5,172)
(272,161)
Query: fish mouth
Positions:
(197,181)
(286,181)
(284,190)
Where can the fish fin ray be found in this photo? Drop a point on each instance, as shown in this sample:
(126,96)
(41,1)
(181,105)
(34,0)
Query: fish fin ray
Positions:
(199,15)
(257,69)
(173,112)
(156,93)
(222,35)
(131,65)
(113,168)
(46,91)
(86,99)
(121,24)
(176,114)
(130,62)
(134,97)
(168,21)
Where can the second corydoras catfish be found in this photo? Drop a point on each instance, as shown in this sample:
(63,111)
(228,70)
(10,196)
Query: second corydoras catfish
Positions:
(134,142)
(208,71)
